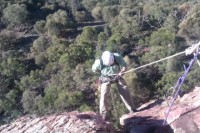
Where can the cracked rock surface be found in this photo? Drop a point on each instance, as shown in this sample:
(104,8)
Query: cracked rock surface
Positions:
(73,122)
(184,116)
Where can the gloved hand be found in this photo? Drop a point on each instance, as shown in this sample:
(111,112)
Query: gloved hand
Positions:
(192,49)
(119,74)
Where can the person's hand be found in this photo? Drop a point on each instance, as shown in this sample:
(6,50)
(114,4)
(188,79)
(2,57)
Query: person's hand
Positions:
(119,74)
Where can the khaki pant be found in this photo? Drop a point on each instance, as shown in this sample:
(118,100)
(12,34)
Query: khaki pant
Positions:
(123,91)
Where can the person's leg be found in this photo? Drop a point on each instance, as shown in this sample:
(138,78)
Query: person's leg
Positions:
(125,94)
(104,92)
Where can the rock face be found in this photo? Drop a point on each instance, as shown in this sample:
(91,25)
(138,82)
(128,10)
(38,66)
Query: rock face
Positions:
(74,122)
(184,116)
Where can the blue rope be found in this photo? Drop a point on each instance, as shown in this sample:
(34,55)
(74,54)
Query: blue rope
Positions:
(179,83)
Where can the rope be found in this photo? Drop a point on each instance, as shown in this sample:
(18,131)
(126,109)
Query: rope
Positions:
(166,58)
(186,51)
(179,84)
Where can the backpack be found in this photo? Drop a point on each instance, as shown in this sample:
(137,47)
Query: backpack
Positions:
(102,65)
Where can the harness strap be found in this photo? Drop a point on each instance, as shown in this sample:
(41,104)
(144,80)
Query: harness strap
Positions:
(109,79)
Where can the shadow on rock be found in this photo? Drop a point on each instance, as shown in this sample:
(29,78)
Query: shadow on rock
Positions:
(146,125)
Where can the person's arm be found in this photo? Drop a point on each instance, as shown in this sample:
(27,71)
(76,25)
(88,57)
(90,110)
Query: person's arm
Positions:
(96,66)
(123,69)
(122,64)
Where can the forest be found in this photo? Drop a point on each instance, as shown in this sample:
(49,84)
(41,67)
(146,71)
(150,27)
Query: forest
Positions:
(47,48)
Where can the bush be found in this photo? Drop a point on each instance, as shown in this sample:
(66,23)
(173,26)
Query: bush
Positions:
(16,14)
(39,26)
(109,12)
(28,101)
(97,13)
(82,16)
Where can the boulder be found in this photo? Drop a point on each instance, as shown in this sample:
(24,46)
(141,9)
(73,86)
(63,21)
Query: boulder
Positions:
(184,116)
(73,122)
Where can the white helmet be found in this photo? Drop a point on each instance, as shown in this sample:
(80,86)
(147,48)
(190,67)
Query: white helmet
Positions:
(107,58)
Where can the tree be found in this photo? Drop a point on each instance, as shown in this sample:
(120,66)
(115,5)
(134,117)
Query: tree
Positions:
(7,41)
(39,27)
(54,52)
(82,16)
(166,84)
(38,50)
(75,5)
(87,40)
(162,44)
(16,14)
(162,37)
(155,13)
(89,4)
(2,5)
(57,23)
(109,12)
(28,101)
(127,27)
(102,38)
(189,27)
(115,42)
(97,13)
(13,68)
(171,22)
(39,45)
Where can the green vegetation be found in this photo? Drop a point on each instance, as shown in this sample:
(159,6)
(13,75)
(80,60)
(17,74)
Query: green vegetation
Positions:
(47,49)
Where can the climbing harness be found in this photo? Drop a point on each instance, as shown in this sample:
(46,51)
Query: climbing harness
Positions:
(110,79)
(180,82)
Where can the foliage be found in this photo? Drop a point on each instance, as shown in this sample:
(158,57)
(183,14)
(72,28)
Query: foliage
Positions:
(13,68)
(109,12)
(57,22)
(97,13)
(189,27)
(16,13)
(28,101)
(156,12)
(162,45)
(166,84)
(89,4)
(31,81)
(39,27)
(82,16)
(6,41)
(114,42)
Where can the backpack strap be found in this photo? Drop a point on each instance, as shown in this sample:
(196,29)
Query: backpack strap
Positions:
(101,64)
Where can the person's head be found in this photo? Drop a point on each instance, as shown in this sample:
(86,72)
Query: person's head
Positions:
(107,58)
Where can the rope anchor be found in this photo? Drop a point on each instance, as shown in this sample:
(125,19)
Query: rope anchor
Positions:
(180,81)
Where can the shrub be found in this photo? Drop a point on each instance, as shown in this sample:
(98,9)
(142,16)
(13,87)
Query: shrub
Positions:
(16,13)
